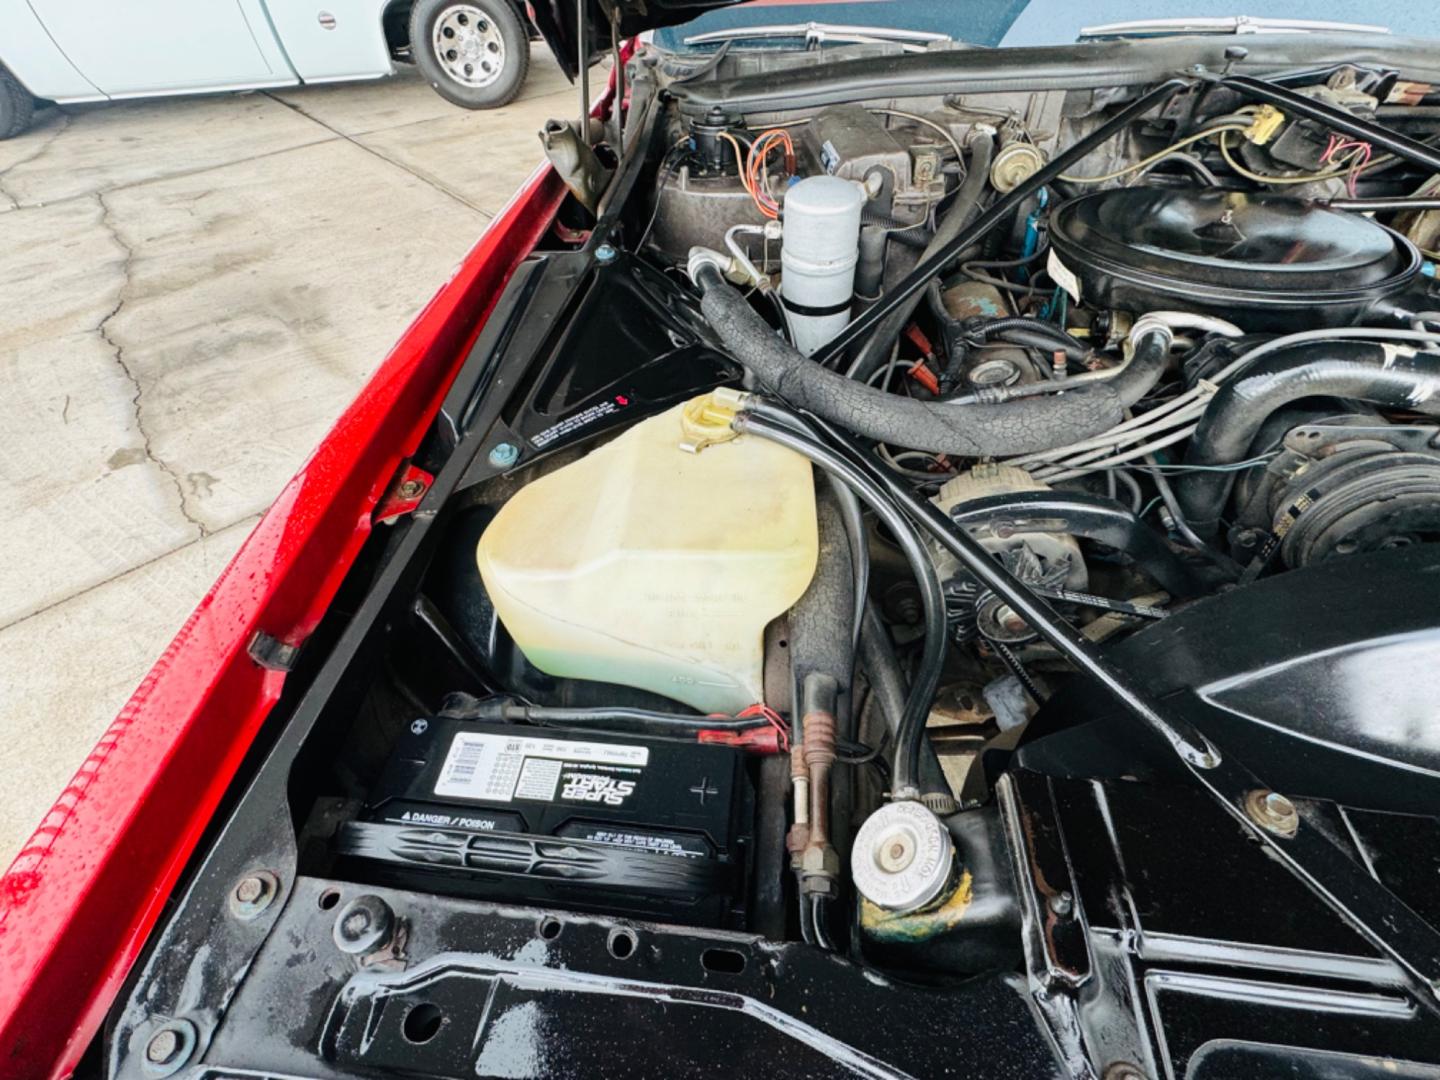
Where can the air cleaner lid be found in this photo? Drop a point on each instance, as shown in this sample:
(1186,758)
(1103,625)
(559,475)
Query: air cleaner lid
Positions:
(1211,243)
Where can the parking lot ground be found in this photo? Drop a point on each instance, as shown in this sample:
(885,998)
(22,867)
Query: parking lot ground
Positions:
(191,290)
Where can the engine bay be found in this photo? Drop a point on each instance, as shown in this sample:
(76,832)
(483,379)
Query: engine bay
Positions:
(860,564)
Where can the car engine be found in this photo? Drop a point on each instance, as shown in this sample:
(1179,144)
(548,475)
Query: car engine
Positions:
(860,553)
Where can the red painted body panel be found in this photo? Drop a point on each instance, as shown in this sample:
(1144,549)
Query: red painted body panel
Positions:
(77,904)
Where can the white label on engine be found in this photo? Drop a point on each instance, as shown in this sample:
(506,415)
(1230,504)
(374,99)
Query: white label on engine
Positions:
(499,768)
(1061,275)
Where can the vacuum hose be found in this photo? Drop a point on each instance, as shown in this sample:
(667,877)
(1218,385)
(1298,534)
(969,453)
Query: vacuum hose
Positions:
(1034,334)
(1018,427)
(1358,370)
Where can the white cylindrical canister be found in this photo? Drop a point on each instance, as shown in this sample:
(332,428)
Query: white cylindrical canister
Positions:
(820,244)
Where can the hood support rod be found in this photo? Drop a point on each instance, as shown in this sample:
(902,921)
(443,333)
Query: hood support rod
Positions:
(582,68)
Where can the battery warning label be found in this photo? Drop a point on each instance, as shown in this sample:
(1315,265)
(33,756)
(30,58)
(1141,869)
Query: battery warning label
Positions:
(502,768)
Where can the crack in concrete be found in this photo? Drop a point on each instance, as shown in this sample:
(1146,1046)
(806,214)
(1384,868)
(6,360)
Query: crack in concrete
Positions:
(431,181)
(103,329)
(248,522)
(55,133)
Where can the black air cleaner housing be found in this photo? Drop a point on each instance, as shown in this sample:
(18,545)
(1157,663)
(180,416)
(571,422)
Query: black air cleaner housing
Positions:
(1265,261)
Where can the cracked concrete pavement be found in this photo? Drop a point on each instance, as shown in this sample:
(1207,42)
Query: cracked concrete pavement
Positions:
(191,290)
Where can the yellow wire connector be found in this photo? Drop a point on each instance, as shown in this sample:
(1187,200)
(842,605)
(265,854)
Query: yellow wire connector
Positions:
(1266,122)
(707,419)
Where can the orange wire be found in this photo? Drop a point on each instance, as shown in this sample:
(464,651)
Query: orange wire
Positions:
(756,172)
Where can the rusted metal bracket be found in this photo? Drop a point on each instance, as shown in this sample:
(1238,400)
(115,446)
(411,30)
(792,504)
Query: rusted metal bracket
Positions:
(404,494)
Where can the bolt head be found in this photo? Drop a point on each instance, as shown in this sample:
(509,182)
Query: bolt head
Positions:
(1278,805)
(1062,904)
(412,489)
(1273,812)
(253,894)
(162,1046)
(168,1049)
(364,926)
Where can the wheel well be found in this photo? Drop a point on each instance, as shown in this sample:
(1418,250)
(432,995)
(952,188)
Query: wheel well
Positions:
(395,20)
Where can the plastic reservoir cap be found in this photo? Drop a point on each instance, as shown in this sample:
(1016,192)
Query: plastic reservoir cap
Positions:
(646,565)
(902,857)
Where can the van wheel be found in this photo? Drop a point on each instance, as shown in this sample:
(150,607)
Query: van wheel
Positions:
(16,105)
(475,53)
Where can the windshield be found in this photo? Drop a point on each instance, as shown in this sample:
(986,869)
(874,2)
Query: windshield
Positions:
(1036,22)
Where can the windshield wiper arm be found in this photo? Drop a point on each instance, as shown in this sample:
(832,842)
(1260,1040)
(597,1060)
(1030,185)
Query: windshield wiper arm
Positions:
(1229,24)
(816,34)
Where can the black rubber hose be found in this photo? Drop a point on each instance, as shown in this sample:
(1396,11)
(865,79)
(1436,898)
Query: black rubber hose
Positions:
(882,667)
(910,233)
(911,734)
(963,208)
(870,266)
(887,683)
(1033,333)
(854,519)
(822,620)
(1358,370)
(974,430)
(621,719)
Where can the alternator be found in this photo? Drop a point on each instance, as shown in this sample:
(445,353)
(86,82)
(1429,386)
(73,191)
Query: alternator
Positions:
(1037,557)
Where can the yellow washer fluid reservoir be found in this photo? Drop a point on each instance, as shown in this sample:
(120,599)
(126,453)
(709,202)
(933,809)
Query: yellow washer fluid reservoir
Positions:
(651,566)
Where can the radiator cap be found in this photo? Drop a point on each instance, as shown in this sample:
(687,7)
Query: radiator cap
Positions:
(902,857)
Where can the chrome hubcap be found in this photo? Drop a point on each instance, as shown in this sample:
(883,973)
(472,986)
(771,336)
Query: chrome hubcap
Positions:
(469,46)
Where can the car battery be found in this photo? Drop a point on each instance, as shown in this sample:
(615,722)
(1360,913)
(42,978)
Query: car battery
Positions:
(628,825)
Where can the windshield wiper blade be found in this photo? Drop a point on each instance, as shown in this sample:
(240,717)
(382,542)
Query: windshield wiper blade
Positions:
(1228,24)
(816,34)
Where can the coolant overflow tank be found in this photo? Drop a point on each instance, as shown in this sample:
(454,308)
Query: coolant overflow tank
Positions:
(650,566)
